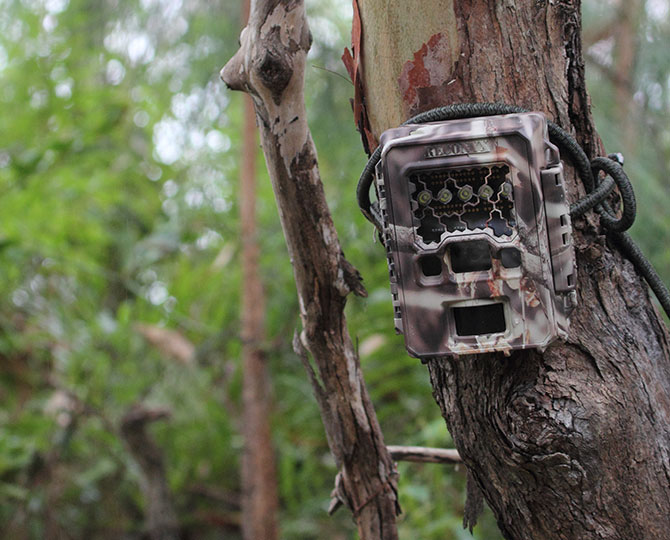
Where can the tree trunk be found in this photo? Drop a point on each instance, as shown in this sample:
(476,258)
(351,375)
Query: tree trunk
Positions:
(270,67)
(260,501)
(573,443)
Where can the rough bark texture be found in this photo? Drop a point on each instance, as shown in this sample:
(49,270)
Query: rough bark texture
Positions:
(573,443)
(270,66)
(161,518)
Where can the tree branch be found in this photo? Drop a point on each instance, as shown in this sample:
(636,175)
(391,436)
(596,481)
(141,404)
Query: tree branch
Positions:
(420,454)
(270,66)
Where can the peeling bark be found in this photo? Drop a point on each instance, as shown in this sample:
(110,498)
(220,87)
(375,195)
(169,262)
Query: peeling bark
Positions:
(270,67)
(573,443)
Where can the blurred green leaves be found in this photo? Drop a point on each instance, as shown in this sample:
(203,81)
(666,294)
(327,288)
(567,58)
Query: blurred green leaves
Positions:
(118,178)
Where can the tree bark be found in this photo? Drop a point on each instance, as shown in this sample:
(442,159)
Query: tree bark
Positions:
(270,67)
(260,501)
(573,443)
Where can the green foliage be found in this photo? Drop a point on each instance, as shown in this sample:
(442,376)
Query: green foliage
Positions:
(118,178)
(636,122)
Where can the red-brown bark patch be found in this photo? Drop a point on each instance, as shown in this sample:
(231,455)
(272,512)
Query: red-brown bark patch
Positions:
(430,71)
(351,60)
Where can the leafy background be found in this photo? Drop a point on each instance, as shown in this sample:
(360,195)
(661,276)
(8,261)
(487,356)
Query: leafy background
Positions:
(119,162)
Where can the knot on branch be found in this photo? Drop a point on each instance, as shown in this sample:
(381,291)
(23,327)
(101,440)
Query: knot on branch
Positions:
(274,68)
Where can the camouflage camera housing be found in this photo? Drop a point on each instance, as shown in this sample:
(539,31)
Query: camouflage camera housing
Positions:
(478,235)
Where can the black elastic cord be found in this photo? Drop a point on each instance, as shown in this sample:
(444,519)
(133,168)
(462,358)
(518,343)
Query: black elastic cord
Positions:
(593,199)
(363,188)
(644,267)
(588,170)
(628,205)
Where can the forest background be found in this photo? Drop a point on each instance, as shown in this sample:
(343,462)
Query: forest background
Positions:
(120,277)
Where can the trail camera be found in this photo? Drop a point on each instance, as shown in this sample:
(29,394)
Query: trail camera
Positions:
(478,235)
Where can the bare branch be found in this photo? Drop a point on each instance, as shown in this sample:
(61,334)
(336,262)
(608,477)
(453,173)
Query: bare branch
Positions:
(420,454)
(270,65)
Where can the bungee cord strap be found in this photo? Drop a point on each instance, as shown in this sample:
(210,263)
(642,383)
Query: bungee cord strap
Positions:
(588,171)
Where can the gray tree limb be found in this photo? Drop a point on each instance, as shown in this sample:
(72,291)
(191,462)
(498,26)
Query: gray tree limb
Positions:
(270,66)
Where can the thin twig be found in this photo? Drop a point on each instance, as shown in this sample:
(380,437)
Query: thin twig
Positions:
(420,454)
(333,72)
